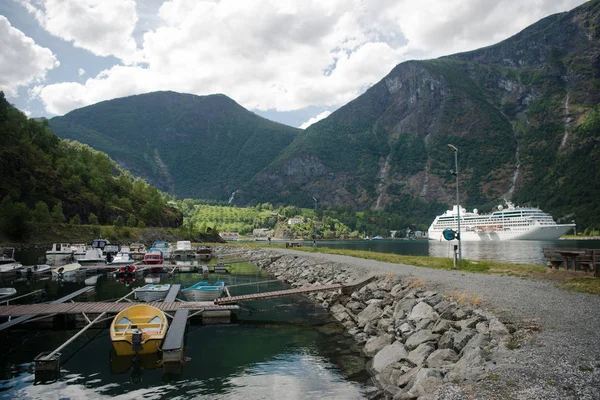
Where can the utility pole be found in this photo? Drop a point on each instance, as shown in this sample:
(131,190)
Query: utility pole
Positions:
(455,150)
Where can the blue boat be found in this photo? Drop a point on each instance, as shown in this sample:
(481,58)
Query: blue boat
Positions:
(203,291)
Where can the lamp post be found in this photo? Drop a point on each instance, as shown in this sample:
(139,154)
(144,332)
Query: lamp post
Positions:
(314,227)
(455,150)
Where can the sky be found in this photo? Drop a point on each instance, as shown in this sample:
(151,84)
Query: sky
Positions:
(292,61)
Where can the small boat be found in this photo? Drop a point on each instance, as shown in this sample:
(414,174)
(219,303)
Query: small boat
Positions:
(78,250)
(183,250)
(7,261)
(92,280)
(204,253)
(37,269)
(110,250)
(138,329)
(376,238)
(153,257)
(122,258)
(7,292)
(164,247)
(60,252)
(152,292)
(92,256)
(66,271)
(125,271)
(137,250)
(202,291)
(99,244)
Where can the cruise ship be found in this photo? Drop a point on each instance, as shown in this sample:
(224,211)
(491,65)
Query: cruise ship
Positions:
(508,223)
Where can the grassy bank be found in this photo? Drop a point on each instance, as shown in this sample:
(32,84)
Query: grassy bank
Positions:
(584,284)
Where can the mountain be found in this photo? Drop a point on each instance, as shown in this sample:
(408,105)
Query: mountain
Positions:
(193,146)
(41,172)
(523,114)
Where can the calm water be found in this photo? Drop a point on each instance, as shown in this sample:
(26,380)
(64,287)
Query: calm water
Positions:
(285,348)
(513,251)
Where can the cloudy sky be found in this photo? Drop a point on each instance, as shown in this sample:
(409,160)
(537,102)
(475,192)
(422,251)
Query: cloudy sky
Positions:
(293,61)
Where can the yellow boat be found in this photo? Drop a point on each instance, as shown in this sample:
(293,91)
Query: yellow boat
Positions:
(139,329)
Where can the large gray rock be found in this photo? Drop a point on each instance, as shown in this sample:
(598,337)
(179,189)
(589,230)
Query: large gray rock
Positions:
(386,284)
(405,305)
(406,381)
(384,324)
(470,364)
(442,357)
(420,337)
(422,311)
(468,323)
(447,340)
(355,306)
(426,382)
(337,308)
(462,338)
(389,354)
(442,326)
(371,313)
(397,289)
(420,354)
(377,343)
(479,341)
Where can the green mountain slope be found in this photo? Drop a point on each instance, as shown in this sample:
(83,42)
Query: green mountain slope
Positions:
(194,146)
(523,114)
(42,173)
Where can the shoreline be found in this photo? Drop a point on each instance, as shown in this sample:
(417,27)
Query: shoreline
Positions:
(512,365)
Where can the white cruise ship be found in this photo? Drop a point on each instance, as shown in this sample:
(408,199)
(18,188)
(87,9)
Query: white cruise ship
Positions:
(510,223)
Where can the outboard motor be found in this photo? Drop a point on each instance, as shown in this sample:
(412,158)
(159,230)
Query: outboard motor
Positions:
(136,340)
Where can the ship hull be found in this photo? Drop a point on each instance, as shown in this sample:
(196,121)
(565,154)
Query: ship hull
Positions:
(551,232)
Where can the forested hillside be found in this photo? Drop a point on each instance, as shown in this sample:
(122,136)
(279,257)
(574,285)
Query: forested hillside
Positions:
(191,146)
(45,179)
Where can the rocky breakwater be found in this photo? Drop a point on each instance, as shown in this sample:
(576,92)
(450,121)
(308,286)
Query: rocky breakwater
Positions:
(421,343)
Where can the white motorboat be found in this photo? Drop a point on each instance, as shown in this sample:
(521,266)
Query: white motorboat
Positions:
(510,223)
(59,253)
(10,267)
(137,250)
(183,250)
(165,248)
(152,292)
(8,264)
(7,292)
(203,291)
(122,258)
(92,256)
(37,269)
(79,250)
(66,271)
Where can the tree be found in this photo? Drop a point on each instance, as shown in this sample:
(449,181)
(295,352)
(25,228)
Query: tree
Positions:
(75,220)
(141,224)
(132,221)
(57,213)
(92,219)
(41,213)
(118,221)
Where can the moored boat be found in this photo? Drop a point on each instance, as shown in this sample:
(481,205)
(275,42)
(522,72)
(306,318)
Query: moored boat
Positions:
(153,257)
(66,271)
(59,252)
(183,250)
(78,250)
(203,253)
(203,291)
(138,329)
(137,250)
(152,292)
(92,256)
(164,247)
(122,258)
(508,223)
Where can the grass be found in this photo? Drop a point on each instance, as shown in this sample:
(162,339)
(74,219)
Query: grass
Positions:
(583,285)
(464,298)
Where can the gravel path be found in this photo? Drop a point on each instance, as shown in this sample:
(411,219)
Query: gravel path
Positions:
(557,337)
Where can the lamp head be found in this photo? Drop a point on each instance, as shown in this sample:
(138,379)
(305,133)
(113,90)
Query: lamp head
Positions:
(452,147)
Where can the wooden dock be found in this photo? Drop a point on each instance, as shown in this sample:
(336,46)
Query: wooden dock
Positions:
(32,313)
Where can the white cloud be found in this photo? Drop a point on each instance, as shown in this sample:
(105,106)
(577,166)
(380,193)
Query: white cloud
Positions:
(22,61)
(319,117)
(285,56)
(104,27)
(81,71)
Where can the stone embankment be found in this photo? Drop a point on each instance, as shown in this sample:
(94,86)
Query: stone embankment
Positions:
(420,343)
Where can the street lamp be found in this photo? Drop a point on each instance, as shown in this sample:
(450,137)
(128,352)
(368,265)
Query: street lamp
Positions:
(455,150)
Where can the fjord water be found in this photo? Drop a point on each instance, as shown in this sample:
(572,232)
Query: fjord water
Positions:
(511,251)
(284,348)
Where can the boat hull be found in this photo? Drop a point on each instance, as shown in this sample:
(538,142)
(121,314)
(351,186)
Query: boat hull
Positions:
(201,295)
(124,348)
(551,232)
(149,294)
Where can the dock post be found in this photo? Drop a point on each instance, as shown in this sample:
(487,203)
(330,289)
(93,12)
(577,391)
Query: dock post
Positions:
(47,368)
